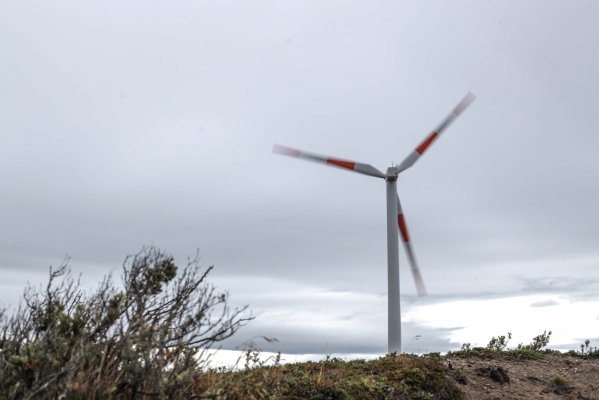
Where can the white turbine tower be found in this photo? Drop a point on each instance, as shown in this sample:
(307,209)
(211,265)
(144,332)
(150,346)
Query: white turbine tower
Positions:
(394,216)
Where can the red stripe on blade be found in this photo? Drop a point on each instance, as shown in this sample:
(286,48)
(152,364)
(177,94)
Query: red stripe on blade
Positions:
(426,142)
(402,228)
(341,163)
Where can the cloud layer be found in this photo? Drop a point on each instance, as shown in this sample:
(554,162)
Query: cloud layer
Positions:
(125,125)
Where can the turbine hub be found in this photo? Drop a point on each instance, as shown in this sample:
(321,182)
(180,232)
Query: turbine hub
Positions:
(392,173)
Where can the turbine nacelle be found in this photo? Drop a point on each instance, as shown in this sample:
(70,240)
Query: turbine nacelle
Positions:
(392,173)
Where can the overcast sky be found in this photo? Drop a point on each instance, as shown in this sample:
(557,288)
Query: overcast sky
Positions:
(131,123)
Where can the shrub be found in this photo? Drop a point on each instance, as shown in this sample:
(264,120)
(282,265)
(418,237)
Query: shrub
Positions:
(527,354)
(144,337)
(538,342)
(499,343)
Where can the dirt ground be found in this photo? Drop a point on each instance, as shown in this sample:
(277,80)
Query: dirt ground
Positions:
(505,377)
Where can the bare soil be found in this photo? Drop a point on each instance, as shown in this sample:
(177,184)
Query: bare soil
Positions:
(504,376)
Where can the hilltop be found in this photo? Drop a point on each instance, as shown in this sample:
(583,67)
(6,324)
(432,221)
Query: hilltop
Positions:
(476,374)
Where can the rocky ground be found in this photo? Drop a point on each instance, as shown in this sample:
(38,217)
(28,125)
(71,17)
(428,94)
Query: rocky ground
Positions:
(503,376)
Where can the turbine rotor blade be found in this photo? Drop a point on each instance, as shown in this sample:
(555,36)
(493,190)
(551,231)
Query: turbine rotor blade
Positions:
(405,238)
(434,135)
(365,169)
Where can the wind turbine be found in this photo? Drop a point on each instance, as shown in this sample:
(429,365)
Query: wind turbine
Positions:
(394,216)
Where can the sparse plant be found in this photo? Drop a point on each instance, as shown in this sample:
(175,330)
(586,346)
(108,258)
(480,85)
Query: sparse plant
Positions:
(499,343)
(252,353)
(538,342)
(587,350)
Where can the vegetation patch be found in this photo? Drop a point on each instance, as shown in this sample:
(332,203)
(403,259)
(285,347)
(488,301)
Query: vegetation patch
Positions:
(389,377)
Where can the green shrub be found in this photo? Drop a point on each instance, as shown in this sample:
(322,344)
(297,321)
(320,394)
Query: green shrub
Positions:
(144,337)
(538,342)
(527,354)
(499,343)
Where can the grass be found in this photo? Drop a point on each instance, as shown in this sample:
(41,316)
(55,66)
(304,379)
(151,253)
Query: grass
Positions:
(389,377)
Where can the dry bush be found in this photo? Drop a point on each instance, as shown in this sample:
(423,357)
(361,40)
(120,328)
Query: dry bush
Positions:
(143,338)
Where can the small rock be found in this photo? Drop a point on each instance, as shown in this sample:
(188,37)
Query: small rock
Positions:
(498,374)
